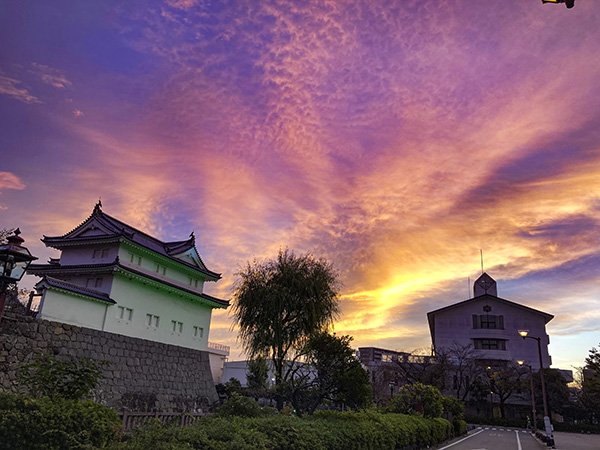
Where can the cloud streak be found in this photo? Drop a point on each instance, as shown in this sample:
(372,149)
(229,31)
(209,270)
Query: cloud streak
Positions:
(396,140)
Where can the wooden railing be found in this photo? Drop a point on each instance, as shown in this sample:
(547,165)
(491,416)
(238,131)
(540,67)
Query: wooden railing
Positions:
(131,420)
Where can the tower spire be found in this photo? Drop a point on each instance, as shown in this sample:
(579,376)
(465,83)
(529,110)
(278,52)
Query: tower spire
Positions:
(481,255)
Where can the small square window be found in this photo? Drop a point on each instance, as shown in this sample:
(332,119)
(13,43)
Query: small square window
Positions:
(198,332)
(152,320)
(176,327)
(124,313)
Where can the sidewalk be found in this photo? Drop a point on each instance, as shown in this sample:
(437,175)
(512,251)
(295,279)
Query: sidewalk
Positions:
(576,441)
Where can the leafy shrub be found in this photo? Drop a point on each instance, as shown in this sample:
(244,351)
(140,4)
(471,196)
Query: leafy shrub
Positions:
(325,430)
(460,427)
(48,376)
(453,408)
(44,423)
(238,405)
(418,398)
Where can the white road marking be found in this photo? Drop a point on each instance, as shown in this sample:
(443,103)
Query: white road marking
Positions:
(518,441)
(463,439)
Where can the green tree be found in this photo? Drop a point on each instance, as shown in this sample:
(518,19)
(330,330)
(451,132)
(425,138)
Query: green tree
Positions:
(418,399)
(280,303)
(329,373)
(556,390)
(257,377)
(590,386)
(503,382)
(73,379)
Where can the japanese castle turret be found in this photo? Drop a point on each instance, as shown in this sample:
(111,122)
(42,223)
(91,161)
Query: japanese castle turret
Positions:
(113,277)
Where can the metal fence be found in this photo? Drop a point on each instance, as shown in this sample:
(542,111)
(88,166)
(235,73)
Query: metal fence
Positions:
(133,420)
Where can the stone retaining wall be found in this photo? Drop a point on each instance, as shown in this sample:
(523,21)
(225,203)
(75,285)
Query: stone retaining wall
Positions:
(139,375)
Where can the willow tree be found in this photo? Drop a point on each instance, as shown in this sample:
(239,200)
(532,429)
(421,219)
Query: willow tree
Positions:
(281,302)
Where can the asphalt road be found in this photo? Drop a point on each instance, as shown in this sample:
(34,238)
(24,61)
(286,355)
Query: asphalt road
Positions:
(495,438)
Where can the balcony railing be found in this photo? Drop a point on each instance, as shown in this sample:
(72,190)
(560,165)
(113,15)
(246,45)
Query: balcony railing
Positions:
(219,347)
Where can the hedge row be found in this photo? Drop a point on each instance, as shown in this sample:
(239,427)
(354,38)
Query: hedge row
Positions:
(43,423)
(324,430)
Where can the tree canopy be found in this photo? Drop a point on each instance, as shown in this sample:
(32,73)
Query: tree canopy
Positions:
(590,392)
(330,373)
(281,302)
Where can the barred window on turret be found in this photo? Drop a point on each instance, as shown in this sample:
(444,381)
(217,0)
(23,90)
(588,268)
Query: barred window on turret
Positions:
(198,332)
(177,327)
(152,320)
(124,313)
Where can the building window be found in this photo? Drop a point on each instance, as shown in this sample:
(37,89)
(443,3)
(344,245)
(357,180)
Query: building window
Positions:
(488,321)
(198,332)
(177,327)
(100,253)
(124,313)
(386,357)
(93,282)
(152,321)
(134,259)
(489,344)
(161,269)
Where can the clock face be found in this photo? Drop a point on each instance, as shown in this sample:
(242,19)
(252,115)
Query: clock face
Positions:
(485,283)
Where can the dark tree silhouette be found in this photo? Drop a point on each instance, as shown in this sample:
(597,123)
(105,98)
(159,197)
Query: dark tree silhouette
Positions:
(280,303)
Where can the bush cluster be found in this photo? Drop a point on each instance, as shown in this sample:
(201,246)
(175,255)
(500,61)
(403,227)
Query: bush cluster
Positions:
(238,405)
(44,423)
(324,430)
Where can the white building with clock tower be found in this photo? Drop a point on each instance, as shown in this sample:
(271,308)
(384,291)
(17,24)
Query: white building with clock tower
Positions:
(490,324)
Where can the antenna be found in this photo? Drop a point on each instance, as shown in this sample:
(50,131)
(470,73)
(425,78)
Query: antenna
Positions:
(481,254)
(469,287)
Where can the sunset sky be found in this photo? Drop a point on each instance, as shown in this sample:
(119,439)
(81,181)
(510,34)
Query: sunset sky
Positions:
(396,139)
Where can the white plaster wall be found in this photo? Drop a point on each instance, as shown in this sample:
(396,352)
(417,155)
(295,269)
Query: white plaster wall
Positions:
(66,308)
(148,265)
(77,255)
(456,325)
(144,299)
(216,366)
(82,281)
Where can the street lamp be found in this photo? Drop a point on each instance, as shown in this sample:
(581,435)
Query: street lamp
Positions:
(520,362)
(568,3)
(547,425)
(14,260)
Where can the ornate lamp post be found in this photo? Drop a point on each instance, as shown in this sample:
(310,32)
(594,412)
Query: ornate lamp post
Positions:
(14,260)
(547,425)
(568,3)
(520,362)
